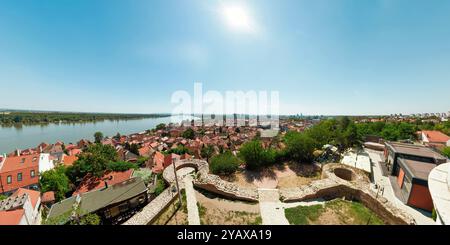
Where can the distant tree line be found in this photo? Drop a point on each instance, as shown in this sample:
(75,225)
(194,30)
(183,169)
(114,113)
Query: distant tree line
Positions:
(30,118)
(341,132)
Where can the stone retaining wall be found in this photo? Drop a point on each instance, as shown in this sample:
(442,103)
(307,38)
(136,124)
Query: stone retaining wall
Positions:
(153,209)
(334,187)
(215,184)
(211,182)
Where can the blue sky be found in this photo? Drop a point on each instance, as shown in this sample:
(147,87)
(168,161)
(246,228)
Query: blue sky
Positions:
(323,56)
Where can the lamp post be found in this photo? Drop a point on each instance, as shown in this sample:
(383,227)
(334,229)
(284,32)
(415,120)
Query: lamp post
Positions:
(176,180)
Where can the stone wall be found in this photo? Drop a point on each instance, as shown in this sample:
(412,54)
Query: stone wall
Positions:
(215,184)
(334,187)
(153,209)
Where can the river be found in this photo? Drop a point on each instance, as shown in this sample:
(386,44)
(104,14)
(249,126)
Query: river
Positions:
(26,136)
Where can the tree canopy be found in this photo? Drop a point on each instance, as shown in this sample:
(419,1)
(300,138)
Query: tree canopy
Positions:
(255,156)
(93,160)
(55,180)
(225,163)
(188,134)
(98,137)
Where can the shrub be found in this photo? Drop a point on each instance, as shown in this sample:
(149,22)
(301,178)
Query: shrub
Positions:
(121,166)
(225,163)
(255,156)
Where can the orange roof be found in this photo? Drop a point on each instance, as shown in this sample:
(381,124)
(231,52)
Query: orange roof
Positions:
(436,136)
(34,195)
(144,150)
(12,217)
(74,151)
(69,160)
(48,196)
(93,183)
(20,162)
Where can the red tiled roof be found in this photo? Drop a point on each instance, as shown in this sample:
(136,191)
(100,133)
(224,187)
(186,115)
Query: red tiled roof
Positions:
(12,217)
(34,195)
(144,150)
(20,162)
(48,196)
(436,136)
(93,183)
(69,160)
(74,152)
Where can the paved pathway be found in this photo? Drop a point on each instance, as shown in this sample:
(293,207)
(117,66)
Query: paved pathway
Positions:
(193,216)
(271,208)
(388,192)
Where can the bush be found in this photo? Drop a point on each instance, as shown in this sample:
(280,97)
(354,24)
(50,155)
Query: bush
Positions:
(299,147)
(446,151)
(121,166)
(255,156)
(188,134)
(160,185)
(225,163)
(55,180)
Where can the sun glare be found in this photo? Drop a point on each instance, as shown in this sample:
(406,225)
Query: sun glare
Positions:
(237,18)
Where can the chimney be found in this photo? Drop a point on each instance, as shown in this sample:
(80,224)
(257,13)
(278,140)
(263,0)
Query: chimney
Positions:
(18,152)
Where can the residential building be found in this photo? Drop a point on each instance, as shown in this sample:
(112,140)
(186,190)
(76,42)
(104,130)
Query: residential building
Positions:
(21,208)
(433,138)
(68,160)
(19,172)
(409,166)
(113,204)
(90,183)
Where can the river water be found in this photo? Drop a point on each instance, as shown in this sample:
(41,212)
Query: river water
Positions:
(22,137)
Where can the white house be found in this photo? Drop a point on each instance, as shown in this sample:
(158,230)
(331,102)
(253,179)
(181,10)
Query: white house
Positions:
(45,163)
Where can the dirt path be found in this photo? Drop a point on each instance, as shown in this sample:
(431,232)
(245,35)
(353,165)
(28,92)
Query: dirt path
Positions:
(271,208)
(193,216)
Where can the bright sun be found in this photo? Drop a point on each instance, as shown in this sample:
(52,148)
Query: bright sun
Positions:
(237,18)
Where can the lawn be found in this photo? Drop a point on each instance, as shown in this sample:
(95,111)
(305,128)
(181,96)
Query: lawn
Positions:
(335,212)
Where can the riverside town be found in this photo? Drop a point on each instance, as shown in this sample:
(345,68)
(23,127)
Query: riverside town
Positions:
(209,121)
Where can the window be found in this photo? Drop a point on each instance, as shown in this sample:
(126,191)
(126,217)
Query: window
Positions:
(9,179)
(19,177)
(32,173)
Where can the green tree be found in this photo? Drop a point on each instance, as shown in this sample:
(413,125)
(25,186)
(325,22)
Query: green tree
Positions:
(390,132)
(225,163)
(133,148)
(188,134)
(179,150)
(121,166)
(299,147)
(160,185)
(117,136)
(446,151)
(98,137)
(207,152)
(255,156)
(55,180)
(93,160)
(161,126)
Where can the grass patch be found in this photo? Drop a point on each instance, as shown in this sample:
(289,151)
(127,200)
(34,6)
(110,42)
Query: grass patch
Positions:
(336,212)
(302,215)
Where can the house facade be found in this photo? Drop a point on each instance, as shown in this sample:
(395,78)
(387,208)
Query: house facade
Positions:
(19,172)
(409,166)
